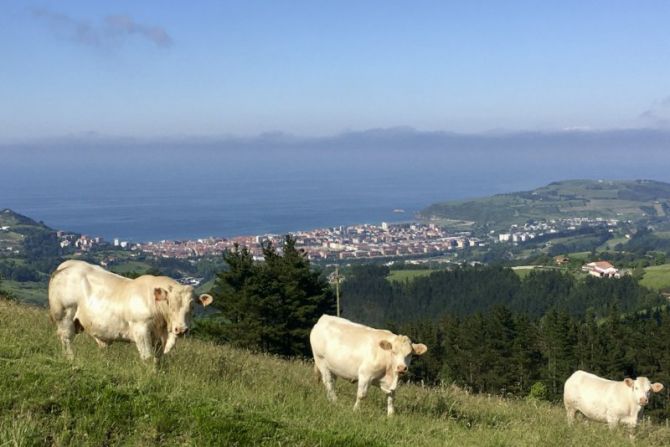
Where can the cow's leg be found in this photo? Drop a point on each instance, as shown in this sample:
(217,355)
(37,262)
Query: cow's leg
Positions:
(389,403)
(101,343)
(570,414)
(363,385)
(143,341)
(612,421)
(328,379)
(631,424)
(66,330)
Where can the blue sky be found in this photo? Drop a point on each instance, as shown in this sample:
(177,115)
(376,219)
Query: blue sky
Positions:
(209,68)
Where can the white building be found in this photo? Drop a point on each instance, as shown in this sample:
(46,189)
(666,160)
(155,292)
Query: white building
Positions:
(601,269)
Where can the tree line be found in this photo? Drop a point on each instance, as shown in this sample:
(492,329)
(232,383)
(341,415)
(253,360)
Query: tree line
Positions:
(506,353)
(369,297)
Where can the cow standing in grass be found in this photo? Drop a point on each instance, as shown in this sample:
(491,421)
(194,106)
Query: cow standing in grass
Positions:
(360,353)
(150,311)
(607,400)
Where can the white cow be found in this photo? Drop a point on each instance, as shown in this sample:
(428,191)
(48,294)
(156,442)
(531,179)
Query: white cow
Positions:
(607,400)
(360,353)
(150,311)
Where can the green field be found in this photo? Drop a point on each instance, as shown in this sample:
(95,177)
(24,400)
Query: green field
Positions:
(131,266)
(523,271)
(205,394)
(609,245)
(657,277)
(403,275)
(580,255)
(28,292)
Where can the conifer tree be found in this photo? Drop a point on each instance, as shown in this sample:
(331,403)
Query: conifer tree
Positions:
(272,305)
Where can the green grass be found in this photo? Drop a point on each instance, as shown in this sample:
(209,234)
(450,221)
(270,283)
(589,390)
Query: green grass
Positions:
(131,266)
(522,271)
(610,244)
(657,277)
(28,292)
(581,255)
(205,394)
(403,275)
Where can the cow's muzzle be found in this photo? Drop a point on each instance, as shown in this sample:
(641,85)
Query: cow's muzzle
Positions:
(644,401)
(401,369)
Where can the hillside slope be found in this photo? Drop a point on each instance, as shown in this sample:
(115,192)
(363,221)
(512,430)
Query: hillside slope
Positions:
(206,394)
(14,228)
(633,200)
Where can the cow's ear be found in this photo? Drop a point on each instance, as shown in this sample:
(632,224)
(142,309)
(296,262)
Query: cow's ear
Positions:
(206,299)
(419,348)
(657,387)
(385,345)
(160,294)
(628,381)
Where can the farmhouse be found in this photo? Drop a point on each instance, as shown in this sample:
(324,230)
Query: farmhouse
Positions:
(561,260)
(601,269)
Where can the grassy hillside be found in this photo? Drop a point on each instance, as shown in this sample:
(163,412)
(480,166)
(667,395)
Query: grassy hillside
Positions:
(14,228)
(574,198)
(205,394)
(657,277)
(408,274)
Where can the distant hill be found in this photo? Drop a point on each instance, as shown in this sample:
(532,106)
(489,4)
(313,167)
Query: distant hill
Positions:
(11,218)
(616,199)
(15,228)
(29,251)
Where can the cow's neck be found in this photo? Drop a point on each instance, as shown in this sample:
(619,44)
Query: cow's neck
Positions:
(163,311)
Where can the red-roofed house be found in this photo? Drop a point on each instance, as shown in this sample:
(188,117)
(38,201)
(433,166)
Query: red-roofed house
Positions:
(601,269)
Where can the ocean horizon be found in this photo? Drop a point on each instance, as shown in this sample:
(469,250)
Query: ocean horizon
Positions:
(178,190)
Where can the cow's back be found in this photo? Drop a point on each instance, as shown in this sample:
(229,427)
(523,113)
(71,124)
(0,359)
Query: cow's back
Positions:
(74,281)
(344,346)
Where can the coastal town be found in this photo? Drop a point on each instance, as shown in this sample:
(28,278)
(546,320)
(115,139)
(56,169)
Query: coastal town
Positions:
(336,243)
(363,241)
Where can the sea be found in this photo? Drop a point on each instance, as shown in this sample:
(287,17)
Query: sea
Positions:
(227,207)
(178,192)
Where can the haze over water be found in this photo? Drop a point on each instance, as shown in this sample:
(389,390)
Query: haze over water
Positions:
(155,190)
(116,117)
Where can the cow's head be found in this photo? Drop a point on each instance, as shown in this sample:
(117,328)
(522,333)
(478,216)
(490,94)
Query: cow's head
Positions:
(401,349)
(642,389)
(179,301)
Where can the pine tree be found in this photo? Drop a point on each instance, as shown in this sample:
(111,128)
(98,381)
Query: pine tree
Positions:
(526,358)
(558,341)
(271,306)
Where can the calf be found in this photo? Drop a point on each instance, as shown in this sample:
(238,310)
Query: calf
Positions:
(606,400)
(360,353)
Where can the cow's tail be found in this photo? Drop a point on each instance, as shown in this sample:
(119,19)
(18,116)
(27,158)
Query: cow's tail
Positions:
(56,308)
(317,374)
